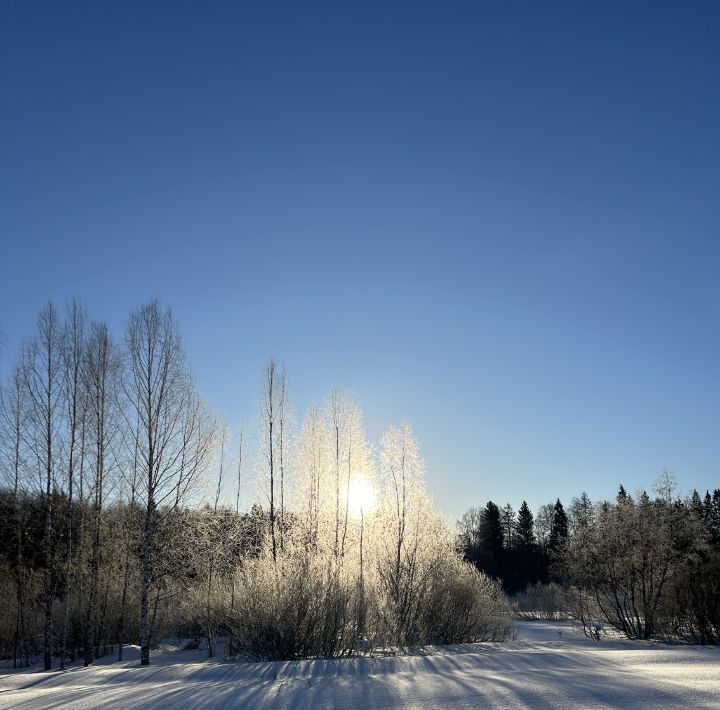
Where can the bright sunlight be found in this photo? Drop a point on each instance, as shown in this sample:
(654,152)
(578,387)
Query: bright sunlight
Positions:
(361,496)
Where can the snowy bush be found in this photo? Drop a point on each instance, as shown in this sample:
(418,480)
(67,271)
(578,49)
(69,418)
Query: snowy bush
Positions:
(298,606)
(540,601)
(627,565)
(464,605)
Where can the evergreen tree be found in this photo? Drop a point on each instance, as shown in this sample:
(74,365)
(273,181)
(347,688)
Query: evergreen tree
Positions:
(508,521)
(696,505)
(491,530)
(622,494)
(491,540)
(714,518)
(560,527)
(707,506)
(481,538)
(525,527)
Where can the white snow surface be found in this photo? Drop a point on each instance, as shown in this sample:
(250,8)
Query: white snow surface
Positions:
(547,666)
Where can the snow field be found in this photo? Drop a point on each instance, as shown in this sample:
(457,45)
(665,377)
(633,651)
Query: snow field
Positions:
(542,668)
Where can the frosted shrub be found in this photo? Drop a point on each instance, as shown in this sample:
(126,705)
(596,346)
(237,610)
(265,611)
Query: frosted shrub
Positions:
(425,593)
(464,605)
(296,607)
(628,559)
(540,601)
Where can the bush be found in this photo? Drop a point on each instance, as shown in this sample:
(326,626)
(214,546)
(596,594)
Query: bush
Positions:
(464,605)
(540,601)
(309,606)
(297,607)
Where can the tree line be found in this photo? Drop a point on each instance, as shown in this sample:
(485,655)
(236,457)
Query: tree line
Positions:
(121,517)
(643,566)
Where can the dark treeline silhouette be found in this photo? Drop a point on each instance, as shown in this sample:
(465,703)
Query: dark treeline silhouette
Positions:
(644,567)
(507,546)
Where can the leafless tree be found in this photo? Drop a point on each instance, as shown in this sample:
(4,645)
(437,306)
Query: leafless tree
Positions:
(507,515)
(102,369)
(13,419)
(313,466)
(215,543)
(241,451)
(42,372)
(174,432)
(283,414)
(273,395)
(73,346)
(128,530)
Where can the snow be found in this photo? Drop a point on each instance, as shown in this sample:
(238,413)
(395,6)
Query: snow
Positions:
(548,665)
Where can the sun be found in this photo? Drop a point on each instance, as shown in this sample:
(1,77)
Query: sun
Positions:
(361,496)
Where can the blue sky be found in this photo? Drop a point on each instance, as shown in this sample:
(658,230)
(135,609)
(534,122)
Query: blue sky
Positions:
(498,221)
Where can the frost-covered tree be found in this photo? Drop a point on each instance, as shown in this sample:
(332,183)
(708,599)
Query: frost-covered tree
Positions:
(665,484)
(581,512)
(409,524)
(628,556)
(314,468)
(273,426)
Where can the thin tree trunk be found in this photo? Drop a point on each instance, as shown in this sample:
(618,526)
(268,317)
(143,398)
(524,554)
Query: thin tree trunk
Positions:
(147,549)
(272,493)
(347,496)
(282,485)
(21,645)
(337,490)
(47,555)
(69,552)
(128,532)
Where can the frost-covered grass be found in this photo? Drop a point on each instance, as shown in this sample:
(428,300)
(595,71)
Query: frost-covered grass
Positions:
(548,665)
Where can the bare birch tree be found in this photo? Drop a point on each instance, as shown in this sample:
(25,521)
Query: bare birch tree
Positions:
(174,433)
(13,418)
(128,530)
(73,353)
(283,415)
(102,370)
(272,404)
(313,467)
(214,544)
(241,452)
(350,454)
(409,518)
(42,371)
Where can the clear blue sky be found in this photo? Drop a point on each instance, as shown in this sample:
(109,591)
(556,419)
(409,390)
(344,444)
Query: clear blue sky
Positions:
(499,221)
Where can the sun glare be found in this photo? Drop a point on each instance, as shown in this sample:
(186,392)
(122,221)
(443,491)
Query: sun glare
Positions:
(361,496)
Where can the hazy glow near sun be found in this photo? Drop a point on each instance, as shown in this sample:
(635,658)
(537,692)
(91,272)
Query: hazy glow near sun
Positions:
(361,496)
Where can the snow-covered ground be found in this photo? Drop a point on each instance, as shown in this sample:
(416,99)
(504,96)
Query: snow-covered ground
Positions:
(547,666)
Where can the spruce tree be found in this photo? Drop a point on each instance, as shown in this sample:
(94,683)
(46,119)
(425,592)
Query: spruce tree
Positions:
(559,531)
(491,540)
(525,527)
(715,517)
(507,516)
(696,505)
(491,529)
